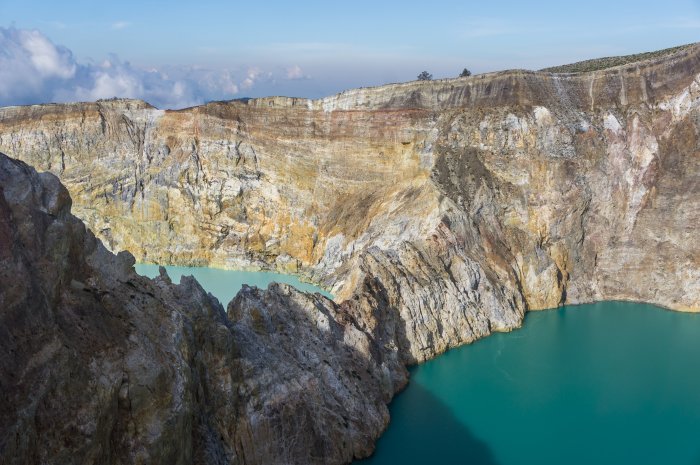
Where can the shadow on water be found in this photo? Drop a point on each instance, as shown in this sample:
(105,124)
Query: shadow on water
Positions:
(408,441)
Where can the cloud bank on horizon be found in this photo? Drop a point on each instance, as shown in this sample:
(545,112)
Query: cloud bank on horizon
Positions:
(193,52)
(34,70)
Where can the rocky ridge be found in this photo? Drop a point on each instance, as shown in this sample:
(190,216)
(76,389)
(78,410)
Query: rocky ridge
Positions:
(437,212)
(101,365)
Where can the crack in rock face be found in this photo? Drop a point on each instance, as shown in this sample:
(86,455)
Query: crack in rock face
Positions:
(436,212)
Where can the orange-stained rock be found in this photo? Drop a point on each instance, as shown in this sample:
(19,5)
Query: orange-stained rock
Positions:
(543,188)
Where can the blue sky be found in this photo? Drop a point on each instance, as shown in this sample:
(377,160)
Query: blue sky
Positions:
(181,53)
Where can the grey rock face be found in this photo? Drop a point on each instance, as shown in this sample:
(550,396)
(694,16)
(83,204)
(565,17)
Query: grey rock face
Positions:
(306,369)
(100,365)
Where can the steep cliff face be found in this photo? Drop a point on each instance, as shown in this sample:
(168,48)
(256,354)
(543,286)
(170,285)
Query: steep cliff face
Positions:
(437,212)
(99,365)
(468,201)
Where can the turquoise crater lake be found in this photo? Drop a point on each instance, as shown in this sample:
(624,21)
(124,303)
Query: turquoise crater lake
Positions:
(225,284)
(607,383)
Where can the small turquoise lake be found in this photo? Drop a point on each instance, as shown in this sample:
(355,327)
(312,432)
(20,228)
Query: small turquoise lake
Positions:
(606,383)
(225,284)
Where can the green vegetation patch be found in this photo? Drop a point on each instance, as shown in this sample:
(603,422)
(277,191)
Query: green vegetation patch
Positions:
(610,62)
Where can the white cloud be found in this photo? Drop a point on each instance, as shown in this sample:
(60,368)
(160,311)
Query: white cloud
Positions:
(28,61)
(306,48)
(252,75)
(35,70)
(48,59)
(106,84)
(295,72)
(119,25)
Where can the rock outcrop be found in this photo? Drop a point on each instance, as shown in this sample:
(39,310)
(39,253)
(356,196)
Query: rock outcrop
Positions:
(99,365)
(437,212)
(475,199)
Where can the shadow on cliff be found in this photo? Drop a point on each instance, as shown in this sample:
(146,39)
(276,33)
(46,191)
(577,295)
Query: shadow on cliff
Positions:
(424,430)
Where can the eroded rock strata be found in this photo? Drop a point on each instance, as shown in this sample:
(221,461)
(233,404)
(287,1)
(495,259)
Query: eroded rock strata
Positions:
(99,365)
(437,212)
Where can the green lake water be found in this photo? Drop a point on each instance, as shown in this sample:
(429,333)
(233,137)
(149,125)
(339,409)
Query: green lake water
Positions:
(607,383)
(225,284)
